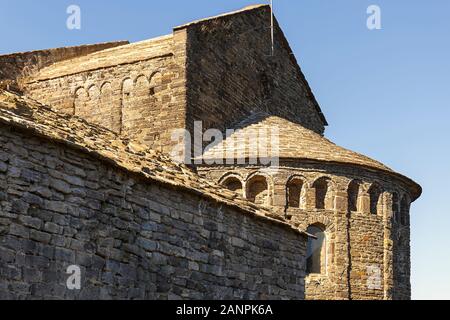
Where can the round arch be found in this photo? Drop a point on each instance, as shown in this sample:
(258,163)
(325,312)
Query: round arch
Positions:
(323,187)
(258,188)
(375,196)
(232,182)
(317,249)
(354,188)
(294,189)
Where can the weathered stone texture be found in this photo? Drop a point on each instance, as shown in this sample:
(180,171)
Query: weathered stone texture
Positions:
(365,260)
(201,72)
(133,239)
(232,74)
(143,226)
(134,90)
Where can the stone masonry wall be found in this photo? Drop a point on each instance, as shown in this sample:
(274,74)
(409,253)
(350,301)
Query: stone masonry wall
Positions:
(402,261)
(219,72)
(367,254)
(142,100)
(132,238)
(231,74)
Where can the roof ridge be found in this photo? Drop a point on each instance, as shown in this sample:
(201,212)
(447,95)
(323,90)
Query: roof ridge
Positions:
(222,15)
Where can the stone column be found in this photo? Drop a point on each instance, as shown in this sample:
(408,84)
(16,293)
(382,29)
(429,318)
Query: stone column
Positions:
(364,203)
(341,260)
(279,191)
(310,197)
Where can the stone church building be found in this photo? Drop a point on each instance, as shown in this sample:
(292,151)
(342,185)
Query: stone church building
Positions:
(88,181)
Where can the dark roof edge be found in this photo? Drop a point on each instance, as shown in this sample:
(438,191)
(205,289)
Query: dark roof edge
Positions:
(301,74)
(223,15)
(113,43)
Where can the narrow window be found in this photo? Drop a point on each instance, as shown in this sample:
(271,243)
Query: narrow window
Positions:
(257,190)
(294,190)
(321,187)
(233,184)
(352,193)
(374,193)
(316,251)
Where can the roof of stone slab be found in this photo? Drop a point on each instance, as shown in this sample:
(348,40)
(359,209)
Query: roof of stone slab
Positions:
(125,54)
(27,114)
(294,142)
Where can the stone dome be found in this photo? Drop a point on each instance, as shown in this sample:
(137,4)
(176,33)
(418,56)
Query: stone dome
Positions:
(256,133)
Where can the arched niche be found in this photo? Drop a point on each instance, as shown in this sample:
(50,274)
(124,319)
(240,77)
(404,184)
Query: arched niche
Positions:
(257,190)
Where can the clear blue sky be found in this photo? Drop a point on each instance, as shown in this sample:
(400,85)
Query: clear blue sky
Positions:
(386,93)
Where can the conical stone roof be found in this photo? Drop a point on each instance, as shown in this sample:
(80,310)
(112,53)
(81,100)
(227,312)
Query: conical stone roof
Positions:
(270,136)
